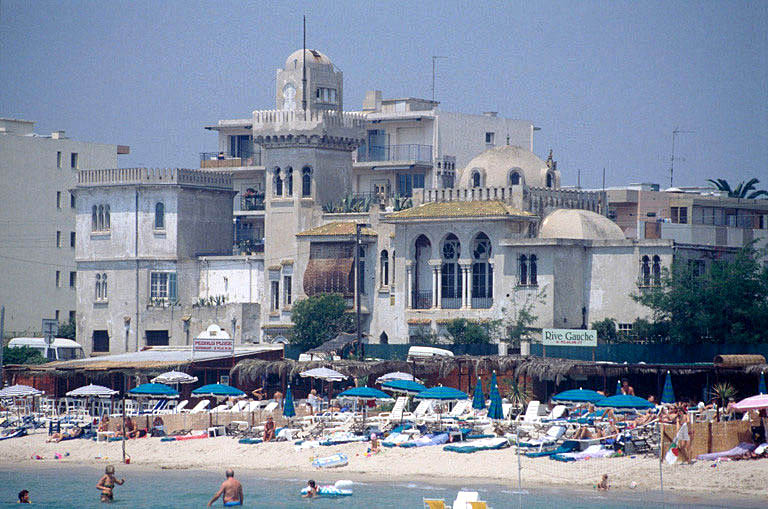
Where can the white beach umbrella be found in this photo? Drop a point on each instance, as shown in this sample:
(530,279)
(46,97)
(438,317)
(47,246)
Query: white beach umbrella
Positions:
(174,377)
(19,391)
(396,375)
(326,374)
(92,391)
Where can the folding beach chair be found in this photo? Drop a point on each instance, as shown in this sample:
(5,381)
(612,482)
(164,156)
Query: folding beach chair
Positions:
(480,504)
(434,503)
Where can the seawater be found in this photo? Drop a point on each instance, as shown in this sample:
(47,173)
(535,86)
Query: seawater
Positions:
(64,486)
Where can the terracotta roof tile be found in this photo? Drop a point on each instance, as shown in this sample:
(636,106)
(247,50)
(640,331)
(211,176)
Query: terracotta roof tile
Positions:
(458,209)
(337,228)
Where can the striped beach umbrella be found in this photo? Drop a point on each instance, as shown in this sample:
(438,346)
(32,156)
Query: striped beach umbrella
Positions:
(174,377)
(668,394)
(761,384)
(288,410)
(478,400)
(92,391)
(218,391)
(19,391)
(495,411)
(623,402)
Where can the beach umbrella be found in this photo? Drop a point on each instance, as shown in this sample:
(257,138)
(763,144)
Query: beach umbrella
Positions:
(326,374)
(478,399)
(761,384)
(174,377)
(624,402)
(396,375)
(495,411)
(441,393)
(288,410)
(618,387)
(364,394)
(154,390)
(19,391)
(578,396)
(757,402)
(92,391)
(217,391)
(403,386)
(668,394)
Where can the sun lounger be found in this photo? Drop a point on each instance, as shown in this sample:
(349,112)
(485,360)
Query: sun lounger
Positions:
(737,451)
(395,439)
(200,407)
(464,499)
(484,444)
(533,413)
(478,504)
(593,451)
(271,407)
(181,406)
(554,433)
(395,415)
(342,437)
(569,446)
(427,440)
(556,414)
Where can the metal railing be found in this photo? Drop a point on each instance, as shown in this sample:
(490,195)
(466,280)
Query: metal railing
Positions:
(422,299)
(223,160)
(407,152)
(450,303)
(251,203)
(482,302)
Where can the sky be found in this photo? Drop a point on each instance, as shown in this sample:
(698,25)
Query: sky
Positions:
(606,81)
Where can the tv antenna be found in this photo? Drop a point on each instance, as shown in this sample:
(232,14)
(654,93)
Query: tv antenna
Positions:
(434,70)
(675,132)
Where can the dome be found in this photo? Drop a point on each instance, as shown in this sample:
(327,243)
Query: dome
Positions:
(496,167)
(313,57)
(579,224)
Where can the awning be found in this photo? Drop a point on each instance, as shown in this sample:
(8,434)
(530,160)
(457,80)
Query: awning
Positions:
(329,275)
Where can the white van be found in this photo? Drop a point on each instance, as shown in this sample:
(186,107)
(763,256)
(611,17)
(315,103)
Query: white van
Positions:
(62,349)
(421,352)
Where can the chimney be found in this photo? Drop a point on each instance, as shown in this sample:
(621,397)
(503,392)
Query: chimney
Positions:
(372,101)
(57,135)
(490,113)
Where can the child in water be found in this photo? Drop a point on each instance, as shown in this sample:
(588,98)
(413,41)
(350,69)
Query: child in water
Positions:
(311,490)
(603,484)
(107,484)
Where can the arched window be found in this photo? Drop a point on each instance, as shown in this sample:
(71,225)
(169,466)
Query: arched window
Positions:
(101,218)
(656,270)
(645,271)
(534,270)
(393,268)
(523,270)
(94,218)
(361,269)
(289,181)
(514,178)
(482,273)
(475,178)
(106,217)
(384,266)
(550,180)
(278,182)
(422,275)
(104,286)
(97,294)
(450,279)
(384,339)
(159,216)
(306,182)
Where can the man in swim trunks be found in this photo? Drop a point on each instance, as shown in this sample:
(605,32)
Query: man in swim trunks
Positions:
(107,484)
(231,491)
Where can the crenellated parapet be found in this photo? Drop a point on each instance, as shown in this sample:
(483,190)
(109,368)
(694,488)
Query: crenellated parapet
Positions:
(153,176)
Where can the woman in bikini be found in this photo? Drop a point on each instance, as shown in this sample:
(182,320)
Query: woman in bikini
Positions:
(107,484)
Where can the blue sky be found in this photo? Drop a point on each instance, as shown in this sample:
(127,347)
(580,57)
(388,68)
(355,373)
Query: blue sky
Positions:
(607,81)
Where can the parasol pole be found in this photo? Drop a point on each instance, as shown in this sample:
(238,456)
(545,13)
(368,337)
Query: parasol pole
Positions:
(123,433)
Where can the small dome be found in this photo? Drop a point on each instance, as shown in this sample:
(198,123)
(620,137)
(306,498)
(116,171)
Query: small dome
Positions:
(579,224)
(313,57)
(496,168)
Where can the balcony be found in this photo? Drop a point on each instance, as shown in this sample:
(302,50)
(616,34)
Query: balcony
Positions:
(450,303)
(222,160)
(252,203)
(482,302)
(422,299)
(408,152)
(248,247)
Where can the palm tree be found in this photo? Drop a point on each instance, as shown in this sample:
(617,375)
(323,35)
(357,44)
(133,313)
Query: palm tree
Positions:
(740,191)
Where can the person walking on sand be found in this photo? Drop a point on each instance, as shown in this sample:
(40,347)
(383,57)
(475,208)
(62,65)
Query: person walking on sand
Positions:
(107,484)
(231,491)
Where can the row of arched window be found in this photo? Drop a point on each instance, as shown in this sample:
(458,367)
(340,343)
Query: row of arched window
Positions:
(101,287)
(650,271)
(100,218)
(283,182)
(514,178)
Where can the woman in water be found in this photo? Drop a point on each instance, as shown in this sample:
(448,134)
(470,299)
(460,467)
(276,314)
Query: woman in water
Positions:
(311,490)
(107,484)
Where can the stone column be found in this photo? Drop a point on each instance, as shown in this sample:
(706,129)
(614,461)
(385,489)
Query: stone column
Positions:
(439,270)
(409,287)
(435,265)
(465,282)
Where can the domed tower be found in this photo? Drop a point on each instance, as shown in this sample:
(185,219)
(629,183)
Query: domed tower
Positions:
(315,71)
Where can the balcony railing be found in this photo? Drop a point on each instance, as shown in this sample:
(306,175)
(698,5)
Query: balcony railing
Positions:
(422,299)
(450,303)
(408,152)
(248,246)
(482,302)
(251,203)
(224,160)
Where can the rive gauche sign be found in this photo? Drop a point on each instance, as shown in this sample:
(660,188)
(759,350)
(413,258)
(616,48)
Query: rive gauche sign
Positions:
(569,337)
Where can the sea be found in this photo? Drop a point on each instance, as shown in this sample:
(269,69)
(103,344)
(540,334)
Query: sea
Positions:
(65,486)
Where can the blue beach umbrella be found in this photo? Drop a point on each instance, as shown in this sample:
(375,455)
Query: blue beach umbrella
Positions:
(618,386)
(217,391)
(478,400)
(624,401)
(495,411)
(288,410)
(578,396)
(761,385)
(668,394)
(364,393)
(441,393)
(403,386)
(154,390)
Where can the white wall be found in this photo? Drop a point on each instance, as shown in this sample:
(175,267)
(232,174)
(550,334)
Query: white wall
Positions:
(239,279)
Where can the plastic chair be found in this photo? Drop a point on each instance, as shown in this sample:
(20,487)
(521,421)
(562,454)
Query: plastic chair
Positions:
(433,503)
(480,504)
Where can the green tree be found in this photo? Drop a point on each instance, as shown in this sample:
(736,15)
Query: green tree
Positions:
(469,332)
(606,330)
(728,304)
(647,330)
(67,330)
(22,355)
(743,190)
(318,319)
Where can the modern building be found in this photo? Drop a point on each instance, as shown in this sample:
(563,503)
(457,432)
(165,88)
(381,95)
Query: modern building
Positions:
(37,229)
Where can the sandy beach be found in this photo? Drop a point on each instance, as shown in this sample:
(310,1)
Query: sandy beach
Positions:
(741,478)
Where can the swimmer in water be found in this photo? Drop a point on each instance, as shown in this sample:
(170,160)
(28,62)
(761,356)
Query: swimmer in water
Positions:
(311,490)
(231,491)
(107,484)
(24,497)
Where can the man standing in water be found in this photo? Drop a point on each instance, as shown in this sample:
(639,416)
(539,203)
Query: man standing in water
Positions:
(231,491)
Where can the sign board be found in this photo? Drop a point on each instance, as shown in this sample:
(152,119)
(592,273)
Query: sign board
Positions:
(50,329)
(213,345)
(569,337)
(224,379)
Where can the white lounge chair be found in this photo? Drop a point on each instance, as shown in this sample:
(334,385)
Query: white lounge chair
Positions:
(271,406)
(557,412)
(394,415)
(553,434)
(533,413)
(239,406)
(200,407)
(460,408)
(181,406)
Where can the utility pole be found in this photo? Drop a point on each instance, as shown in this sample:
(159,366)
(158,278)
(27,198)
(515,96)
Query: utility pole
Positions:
(358,227)
(675,132)
(434,70)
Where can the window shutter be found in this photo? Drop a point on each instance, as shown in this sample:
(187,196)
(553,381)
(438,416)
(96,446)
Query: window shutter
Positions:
(172,294)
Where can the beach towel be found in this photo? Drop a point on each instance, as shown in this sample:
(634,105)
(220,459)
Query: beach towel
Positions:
(395,439)
(739,450)
(250,441)
(485,444)
(427,440)
(593,451)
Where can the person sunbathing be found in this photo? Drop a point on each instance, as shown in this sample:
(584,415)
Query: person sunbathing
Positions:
(58,437)
(583,433)
(269,429)
(259,394)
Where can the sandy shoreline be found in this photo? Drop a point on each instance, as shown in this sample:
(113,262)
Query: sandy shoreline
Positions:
(427,464)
